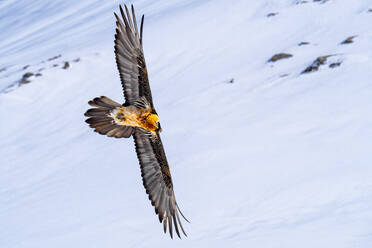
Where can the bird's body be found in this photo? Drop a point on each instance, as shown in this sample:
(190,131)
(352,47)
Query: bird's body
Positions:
(137,117)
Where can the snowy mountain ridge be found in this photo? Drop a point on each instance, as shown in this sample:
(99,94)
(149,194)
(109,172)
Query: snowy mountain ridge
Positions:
(262,153)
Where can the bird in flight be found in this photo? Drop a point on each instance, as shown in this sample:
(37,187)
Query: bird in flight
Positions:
(137,117)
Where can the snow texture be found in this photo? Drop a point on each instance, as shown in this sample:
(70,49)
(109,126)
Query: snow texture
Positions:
(261,154)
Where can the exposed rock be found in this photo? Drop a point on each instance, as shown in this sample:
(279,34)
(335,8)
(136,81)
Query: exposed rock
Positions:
(2,69)
(280,56)
(55,57)
(25,78)
(334,65)
(24,81)
(315,1)
(348,40)
(66,65)
(38,74)
(231,81)
(25,67)
(55,65)
(272,14)
(76,60)
(370,10)
(303,43)
(311,68)
(28,74)
(322,59)
(316,64)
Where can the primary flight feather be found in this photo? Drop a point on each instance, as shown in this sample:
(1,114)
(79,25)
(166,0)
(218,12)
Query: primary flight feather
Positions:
(137,117)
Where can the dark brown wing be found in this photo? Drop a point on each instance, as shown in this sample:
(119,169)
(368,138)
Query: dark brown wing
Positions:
(157,179)
(130,59)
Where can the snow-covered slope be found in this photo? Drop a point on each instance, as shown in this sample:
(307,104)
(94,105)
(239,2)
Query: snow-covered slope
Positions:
(261,154)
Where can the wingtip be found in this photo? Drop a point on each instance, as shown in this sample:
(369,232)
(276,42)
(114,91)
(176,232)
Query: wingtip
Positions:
(170,226)
(127,12)
(165,225)
(176,226)
(179,210)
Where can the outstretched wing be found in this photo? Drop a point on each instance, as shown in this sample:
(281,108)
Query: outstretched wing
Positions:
(130,59)
(157,179)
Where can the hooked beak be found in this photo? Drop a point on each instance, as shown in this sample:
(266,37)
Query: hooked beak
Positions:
(159,127)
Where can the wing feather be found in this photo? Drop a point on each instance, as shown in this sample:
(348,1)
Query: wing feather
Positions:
(129,56)
(135,23)
(157,179)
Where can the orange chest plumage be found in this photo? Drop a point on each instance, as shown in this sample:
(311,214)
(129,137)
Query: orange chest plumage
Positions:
(135,117)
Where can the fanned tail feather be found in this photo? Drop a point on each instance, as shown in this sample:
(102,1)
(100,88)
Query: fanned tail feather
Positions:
(101,120)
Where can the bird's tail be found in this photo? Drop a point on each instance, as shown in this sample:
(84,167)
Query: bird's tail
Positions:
(101,120)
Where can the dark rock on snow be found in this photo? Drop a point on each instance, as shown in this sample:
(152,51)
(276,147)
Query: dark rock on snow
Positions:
(334,65)
(316,64)
(66,65)
(25,78)
(280,56)
(303,43)
(348,40)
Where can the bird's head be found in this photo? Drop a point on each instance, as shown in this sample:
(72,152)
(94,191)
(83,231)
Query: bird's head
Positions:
(153,119)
